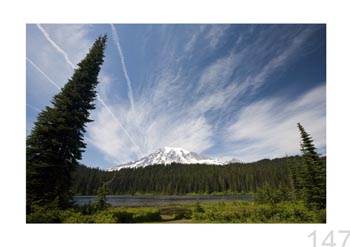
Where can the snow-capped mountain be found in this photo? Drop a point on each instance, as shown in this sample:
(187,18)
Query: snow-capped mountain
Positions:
(168,155)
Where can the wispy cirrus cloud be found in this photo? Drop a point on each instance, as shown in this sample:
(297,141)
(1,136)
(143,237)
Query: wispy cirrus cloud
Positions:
(199,87)
(215,34)
(167,116)
(105,106)
(281,57)
(107,140)
(268,128)
(218,73)
(115,119)
(106,109)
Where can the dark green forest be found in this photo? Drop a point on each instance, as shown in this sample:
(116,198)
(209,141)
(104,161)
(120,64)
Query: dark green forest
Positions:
(179,179)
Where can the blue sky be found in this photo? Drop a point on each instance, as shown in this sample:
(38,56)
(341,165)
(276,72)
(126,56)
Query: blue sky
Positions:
(223,91)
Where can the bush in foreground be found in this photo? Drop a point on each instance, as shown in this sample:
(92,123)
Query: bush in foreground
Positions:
(217,212)
(250,212)
(88,214)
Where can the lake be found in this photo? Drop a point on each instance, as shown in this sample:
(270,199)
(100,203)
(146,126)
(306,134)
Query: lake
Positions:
(133,201)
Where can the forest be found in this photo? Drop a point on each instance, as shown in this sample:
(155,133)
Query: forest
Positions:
(180,179)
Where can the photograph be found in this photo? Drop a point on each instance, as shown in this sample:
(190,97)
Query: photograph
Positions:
(175,123)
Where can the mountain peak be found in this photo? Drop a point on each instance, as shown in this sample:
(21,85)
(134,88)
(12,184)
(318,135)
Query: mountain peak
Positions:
(168,155)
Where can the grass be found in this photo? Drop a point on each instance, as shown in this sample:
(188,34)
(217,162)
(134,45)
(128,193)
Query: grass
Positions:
(251,212)
(211,212)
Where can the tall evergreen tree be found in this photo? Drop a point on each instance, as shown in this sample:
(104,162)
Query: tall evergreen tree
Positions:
(56,142)
(313,172)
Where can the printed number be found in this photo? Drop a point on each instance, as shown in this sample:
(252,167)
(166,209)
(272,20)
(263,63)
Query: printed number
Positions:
(346,237)
(329,239)
(314,237)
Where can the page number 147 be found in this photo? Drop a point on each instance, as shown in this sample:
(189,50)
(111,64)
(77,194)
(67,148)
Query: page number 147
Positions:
(330,238)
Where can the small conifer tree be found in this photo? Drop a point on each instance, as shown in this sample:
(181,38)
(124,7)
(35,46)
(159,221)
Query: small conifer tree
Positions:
(313,173)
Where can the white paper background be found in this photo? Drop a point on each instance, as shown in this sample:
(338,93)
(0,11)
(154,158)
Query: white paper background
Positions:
(14,16)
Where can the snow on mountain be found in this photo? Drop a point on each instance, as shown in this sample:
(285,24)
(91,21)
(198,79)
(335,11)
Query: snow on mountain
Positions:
(168,155)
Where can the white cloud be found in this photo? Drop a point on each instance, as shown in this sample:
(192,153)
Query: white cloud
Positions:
(195,35)
(149,129)
(268,128)
(215,34)
(117,122)
(104,85)
(105,132)
(165,115)
(221,99)
(109,137)
(191,43)
(161,118)
(193,134)
(219,72)
(257,62)
(172,108)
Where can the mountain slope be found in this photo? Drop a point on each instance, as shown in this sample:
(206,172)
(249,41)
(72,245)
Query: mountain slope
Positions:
(168,155)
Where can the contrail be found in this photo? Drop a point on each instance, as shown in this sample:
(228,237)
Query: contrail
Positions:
(34,108)
(42,72)
(117,121)
(98,98)
(59,49)
(116,42)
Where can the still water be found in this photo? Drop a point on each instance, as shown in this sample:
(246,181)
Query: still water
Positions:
(134,201)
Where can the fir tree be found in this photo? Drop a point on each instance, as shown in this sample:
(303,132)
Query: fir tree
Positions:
(102,193)
(56,142)
(313,173)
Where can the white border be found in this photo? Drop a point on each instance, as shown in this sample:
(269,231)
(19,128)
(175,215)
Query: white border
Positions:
(15,14)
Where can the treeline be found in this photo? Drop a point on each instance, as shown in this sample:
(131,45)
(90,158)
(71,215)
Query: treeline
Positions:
(179,179)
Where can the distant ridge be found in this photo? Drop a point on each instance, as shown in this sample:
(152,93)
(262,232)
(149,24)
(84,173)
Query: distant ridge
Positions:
(168,155)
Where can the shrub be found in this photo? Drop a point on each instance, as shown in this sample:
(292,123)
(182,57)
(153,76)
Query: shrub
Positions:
(198,208)
(105,216)
(150,215)
(43,215)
